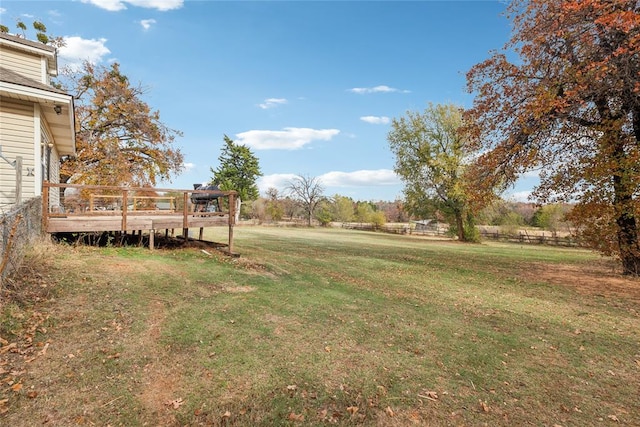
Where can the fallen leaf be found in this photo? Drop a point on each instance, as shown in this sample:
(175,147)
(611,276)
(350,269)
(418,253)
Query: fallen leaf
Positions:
(8,347)
(296,417)
(389,411)
(613,418)
(227,414)
(16,387)
(175,403)
(352,409)
(44,349)
(430,395)
(327,349)
(484,406)
(292,387)
(32,394)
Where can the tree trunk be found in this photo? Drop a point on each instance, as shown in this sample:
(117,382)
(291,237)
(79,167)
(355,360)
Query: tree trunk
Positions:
(628,243)
(460,226)
(623,204)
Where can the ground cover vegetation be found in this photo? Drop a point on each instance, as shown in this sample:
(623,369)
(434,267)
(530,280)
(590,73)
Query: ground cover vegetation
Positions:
(320,326)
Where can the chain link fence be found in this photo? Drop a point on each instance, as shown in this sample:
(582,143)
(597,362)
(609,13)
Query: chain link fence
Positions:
(19,227)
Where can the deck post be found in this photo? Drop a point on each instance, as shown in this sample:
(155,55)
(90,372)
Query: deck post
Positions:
(185,216)
(152,236)
(232,219)
(125,204)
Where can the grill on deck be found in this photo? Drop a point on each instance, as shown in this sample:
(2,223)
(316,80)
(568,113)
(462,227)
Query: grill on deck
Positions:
(206,202)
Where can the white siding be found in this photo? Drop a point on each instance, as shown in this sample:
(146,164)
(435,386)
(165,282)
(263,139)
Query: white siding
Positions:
(50,160)
(16,139)
(24,64)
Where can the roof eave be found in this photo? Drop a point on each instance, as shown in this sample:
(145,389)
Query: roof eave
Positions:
(62,125)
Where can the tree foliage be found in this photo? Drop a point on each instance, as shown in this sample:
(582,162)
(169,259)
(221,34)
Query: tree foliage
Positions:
(119,139)
(431,156)
(569,106)
(238,170)
(41,33)
(308,191)
(342,208)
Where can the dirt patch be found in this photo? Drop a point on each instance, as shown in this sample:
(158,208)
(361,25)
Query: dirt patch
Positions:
(599,278)
(160,383)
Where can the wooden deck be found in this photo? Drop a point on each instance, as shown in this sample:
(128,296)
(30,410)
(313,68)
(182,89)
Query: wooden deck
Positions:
(86,209)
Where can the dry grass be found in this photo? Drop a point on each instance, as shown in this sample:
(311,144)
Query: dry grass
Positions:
(314,327)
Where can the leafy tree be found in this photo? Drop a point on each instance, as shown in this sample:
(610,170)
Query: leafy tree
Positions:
(551,217)
(431,153)
(274,208)
(342,208)
(363,212)
(41,33)
(324,213)
(119,139)
(569,106)
(238,170)
(308,191)
(378,219)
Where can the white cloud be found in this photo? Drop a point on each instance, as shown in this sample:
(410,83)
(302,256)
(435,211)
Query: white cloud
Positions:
(519,196)
(279,181)
(376,89)
(375,120)
(117,5)
(531,174)
(2,10)
(287,139)
(110,5)
(189,166)
(272,102)
(361,178)
(147,23)
(77,50)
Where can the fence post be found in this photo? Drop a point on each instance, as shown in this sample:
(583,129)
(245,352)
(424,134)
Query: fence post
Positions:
(18,167)
(45,206)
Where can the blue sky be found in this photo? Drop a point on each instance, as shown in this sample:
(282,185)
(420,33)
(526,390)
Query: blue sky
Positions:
(309,86)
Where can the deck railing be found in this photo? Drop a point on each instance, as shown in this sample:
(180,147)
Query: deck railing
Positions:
(182,207)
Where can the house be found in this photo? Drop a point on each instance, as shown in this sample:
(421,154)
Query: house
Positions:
(36,120)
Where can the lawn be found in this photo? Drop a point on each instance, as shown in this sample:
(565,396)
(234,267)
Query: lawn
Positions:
(319,326)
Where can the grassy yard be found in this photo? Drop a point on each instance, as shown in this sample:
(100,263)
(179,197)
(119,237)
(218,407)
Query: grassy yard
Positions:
(314,327)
